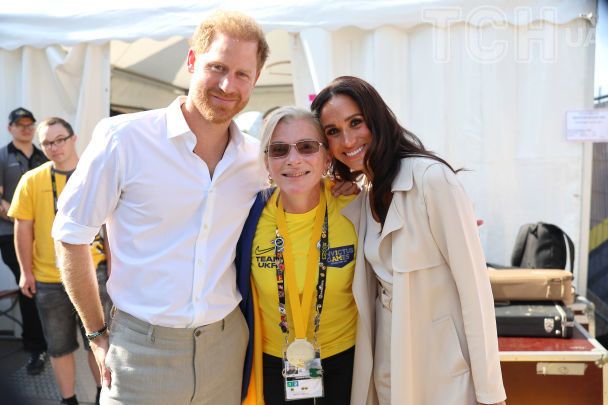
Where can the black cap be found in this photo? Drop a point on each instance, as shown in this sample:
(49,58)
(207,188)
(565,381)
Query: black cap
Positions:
(18,114)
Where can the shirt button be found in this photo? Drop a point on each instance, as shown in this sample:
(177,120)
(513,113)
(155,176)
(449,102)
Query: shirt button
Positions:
(197,333)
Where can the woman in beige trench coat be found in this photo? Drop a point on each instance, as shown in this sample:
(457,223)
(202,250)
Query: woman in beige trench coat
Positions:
(421,283)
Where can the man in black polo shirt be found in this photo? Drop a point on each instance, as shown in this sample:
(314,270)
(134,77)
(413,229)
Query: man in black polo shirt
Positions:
(16,158)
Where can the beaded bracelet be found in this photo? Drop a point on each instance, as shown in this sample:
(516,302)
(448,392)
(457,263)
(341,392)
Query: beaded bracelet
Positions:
(94,335)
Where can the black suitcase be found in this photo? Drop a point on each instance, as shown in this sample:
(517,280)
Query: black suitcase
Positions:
(534,319)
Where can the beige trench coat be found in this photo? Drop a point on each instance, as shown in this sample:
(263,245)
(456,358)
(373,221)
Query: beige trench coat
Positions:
(444,348)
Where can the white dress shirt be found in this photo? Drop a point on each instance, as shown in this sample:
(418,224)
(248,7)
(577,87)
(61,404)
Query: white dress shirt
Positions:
(172,228)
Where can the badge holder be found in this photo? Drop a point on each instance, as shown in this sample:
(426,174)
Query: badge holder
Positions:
(302,371)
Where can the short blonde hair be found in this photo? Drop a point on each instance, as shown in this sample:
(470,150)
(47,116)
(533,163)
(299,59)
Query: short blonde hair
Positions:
(234,24)
(286,115)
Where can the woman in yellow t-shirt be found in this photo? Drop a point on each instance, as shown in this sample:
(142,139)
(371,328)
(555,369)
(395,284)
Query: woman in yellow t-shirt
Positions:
(296,239)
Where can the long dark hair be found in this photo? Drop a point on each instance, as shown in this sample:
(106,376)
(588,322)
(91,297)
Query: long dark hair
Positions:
(390,141)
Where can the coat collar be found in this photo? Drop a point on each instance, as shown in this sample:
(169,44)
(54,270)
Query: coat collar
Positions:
(355,211)
(405,178)
(402,183)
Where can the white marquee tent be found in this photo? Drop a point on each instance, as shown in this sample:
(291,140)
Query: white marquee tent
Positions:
(486,84)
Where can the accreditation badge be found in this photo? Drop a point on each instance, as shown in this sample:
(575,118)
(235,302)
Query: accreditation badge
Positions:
(302,371)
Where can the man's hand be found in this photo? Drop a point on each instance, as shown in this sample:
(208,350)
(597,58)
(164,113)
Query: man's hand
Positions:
(4,206)
(100,347)
(345,188)
(27,284)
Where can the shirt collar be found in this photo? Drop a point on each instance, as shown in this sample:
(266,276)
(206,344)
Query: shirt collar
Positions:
(13,149)
(236,136)
(177,125)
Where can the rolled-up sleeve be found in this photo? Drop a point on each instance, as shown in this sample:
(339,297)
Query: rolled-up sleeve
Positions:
(93,191)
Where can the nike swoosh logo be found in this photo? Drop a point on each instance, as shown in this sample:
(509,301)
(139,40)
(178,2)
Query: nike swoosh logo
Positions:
(259,251)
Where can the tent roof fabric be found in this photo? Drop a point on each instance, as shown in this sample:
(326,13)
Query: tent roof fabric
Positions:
(67,22)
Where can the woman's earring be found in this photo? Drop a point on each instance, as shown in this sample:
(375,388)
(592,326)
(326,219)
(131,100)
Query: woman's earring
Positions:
(328,171)
(269,179)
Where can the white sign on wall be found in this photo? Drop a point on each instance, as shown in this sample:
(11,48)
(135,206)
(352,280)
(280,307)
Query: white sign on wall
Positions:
(587,125)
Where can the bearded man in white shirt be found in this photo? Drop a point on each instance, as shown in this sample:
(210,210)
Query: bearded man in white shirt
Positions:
(174,187)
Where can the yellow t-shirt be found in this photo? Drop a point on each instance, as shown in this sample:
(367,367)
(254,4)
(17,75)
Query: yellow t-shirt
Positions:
(33,200)
(339,316)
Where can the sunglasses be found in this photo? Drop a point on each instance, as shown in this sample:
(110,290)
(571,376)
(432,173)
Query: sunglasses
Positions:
(281,149)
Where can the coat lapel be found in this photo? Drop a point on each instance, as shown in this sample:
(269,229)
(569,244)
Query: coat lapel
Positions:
(394,219)
(402,183)
(364,285)
(355,212)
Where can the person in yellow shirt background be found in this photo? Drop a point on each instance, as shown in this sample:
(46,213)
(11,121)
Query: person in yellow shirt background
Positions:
(296,239)
(33,207)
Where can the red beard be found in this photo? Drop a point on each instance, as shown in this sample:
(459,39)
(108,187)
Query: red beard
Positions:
(216,112)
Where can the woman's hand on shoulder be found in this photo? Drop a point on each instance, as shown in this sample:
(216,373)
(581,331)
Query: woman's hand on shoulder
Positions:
(345,188)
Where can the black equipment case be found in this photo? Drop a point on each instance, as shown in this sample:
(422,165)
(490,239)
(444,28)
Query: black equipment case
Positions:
(534,319)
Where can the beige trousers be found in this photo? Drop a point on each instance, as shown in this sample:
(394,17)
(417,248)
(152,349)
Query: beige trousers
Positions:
(382,352)
(158,365)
